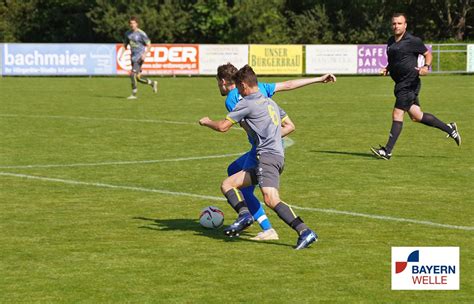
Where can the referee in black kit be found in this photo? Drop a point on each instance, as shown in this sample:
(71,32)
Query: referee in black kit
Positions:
(403,50)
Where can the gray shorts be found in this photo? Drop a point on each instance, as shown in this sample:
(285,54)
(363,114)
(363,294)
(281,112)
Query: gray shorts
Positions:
(137,66)
(268,170)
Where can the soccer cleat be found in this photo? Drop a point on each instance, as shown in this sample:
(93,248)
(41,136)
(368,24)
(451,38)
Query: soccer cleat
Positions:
(243,221)
(131,97)
(306,238)
(267,235)
(381,153)
(455,133)
(155,86)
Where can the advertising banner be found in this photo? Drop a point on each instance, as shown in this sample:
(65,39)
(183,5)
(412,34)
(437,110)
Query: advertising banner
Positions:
(213,55)
(58,59)
(163,59)
(337,59)
(276,59)
(1,58)
(470,58)
(371,58)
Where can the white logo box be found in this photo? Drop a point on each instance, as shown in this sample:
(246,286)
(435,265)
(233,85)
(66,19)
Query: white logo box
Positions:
(438,268)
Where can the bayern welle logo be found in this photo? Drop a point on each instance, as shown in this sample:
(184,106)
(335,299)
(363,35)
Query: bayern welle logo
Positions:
(429,268)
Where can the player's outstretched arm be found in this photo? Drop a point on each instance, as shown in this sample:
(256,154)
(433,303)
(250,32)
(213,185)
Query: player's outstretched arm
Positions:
(287,126)
(298,83)
(219,125)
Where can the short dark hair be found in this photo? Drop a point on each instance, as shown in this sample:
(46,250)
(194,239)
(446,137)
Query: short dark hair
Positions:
(395,15)
(246,75)
(226,72)
(133,18)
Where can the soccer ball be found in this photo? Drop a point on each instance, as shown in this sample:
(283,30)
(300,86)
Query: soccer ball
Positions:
(211,217)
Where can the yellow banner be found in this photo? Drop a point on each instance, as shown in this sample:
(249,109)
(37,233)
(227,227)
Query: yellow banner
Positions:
(276,59)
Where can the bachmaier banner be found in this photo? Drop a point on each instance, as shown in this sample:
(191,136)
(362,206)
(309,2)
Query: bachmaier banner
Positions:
(163,59)
(273,59)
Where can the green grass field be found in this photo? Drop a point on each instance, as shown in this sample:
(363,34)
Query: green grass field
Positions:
(92,231)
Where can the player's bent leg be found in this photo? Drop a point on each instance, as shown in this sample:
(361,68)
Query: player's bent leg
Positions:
(256,208)
(230,188)
(254,205)
(306,236)
(415,113)
(432,121)
(239,180)
(258,213)
(153,84)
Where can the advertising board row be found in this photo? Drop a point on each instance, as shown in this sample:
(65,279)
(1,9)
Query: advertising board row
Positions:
(31,59)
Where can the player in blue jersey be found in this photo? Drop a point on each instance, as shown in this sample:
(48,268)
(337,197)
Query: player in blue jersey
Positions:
(262,119)
(139,46)
(228,88)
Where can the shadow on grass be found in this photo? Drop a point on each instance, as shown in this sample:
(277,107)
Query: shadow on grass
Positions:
(192,225)
(124,97)
(359,154)
(370,155)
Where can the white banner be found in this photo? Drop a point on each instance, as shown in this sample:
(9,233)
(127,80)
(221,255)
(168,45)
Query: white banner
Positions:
(470,58)
(213,55)
(340,59)
(425,268)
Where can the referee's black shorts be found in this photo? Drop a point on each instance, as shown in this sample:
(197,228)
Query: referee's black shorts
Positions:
(406,93)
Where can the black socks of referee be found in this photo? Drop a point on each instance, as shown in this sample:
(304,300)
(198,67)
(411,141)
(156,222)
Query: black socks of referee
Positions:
(394,133)
(236,200)
(289,217)
(431,120)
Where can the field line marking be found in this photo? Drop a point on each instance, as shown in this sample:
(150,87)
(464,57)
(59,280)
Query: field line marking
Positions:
(103,119)
(157,121)
(103,185)
(217,198)
(122,162)
(384,217)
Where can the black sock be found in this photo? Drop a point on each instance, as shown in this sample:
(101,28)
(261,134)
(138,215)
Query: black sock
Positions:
(394,133)
(289,217)
(236,200)
(431,120)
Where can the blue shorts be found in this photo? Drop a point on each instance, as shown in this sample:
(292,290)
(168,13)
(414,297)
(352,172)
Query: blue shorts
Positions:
(246,161)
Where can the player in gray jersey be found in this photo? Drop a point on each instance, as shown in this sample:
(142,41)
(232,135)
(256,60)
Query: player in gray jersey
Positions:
(261,117)
(139,46)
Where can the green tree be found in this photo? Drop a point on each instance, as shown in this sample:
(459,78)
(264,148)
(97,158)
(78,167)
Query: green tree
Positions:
(257,21)
(311,26)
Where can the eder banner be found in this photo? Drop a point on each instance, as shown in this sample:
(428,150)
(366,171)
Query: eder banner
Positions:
(58,59)
(273,59)
(163,59)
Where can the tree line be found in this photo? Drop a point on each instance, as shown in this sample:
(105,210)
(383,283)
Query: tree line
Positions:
(233,21)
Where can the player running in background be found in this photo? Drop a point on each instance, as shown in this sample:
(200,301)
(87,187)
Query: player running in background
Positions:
(403,50)
(139,46)
(261,117)
(248,160)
